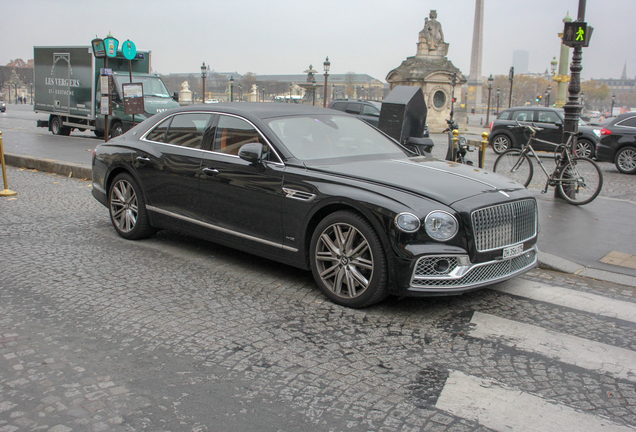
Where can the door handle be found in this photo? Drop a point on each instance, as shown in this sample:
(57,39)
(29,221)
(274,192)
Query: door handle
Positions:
(143,160)
(210,172)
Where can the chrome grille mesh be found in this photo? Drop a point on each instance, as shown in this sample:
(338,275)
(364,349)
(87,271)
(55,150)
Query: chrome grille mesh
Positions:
(491,271)
(504,225)
(426,266)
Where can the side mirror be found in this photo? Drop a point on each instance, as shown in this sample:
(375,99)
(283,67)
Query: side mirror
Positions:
(251,152)
(175,96)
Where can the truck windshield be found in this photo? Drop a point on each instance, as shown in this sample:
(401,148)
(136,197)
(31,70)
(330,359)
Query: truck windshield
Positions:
(153,86)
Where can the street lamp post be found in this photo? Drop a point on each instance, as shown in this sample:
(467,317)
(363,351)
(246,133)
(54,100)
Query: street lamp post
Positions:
(498,92)
(611,114)
(290,92)
(231,88)
(512,76)
(240,93)
(204,74)
(547,95)
(326,65)
(490,81)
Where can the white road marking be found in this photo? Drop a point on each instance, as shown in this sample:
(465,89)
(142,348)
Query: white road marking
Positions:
(503,409)
(594,356)
(582,301)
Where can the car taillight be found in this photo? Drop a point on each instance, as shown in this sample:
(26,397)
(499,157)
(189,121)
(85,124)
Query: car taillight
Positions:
(605,132)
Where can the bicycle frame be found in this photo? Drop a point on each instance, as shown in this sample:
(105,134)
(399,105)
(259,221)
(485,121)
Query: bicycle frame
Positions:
(529,150)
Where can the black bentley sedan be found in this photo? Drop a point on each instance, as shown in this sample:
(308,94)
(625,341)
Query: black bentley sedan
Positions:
(320,190)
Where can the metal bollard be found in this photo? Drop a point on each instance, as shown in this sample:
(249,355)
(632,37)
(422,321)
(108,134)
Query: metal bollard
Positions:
(6,191)
(455,139)
(482,149)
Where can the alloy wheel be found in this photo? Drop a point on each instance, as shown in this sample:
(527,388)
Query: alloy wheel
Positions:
(344,260)
(123,206)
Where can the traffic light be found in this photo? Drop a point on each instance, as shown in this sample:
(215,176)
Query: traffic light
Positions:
(537,98)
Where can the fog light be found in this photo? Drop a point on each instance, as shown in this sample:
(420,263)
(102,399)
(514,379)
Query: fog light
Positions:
(441,266)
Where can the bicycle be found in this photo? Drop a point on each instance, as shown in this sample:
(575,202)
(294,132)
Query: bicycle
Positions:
(578,179)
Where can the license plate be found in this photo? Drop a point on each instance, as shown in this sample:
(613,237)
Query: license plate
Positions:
(513,251)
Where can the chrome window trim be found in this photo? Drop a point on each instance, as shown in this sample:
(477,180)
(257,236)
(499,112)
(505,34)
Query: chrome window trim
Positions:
(143,137)
(221,229)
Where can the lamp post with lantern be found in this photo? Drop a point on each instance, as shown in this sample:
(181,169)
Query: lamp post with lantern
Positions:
(611,113)
(231,88)
(204,75)
(490,81)
(547,95)
(327,65)
(498,92)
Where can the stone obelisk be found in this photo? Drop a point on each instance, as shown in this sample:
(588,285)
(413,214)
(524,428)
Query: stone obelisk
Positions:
(473,93)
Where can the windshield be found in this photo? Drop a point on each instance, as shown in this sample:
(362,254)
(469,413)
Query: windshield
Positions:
(326,136)
(153,86)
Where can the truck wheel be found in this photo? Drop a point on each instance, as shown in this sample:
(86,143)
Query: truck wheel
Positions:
(57,128)
(98,134)
(116,129)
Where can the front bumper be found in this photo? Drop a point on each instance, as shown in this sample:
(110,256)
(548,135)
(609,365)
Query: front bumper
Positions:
(461,275)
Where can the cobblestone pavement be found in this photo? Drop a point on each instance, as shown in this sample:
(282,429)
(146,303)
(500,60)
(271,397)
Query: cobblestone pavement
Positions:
(175,334)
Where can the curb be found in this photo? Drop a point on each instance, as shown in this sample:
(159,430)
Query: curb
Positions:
(49,165)
(555,263)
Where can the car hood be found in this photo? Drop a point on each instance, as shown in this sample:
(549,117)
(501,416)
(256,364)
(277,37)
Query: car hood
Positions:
(443,181)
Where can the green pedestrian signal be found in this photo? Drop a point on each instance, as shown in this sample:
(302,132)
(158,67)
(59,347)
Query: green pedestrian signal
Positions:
(577,34)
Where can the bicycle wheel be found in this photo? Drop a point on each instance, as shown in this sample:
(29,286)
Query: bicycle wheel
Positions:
(580,181)
(514,165)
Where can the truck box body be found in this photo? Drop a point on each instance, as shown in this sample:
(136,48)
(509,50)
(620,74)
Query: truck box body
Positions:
(67,87)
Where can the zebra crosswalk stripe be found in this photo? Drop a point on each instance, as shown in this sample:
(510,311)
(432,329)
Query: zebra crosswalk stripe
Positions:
(586,302)
(595,356)
(504,409)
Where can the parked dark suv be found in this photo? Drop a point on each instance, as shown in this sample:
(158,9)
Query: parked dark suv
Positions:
(369,111)
(618,142)
(505,134)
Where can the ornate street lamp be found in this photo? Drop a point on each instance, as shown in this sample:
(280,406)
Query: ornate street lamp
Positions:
(204,74)
(498,92)
(231,88)
(311,73)
(327,65)
(553,65)
(490,81)
(548,91)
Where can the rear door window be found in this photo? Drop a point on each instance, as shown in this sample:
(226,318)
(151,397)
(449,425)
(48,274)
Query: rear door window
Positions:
(629,122)
(187,130)
(523,116)
(340,106)
(353,108)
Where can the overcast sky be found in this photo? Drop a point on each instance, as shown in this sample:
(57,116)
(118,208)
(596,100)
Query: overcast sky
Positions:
(286,36)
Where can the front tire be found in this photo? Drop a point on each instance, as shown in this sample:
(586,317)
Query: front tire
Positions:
(501,143)
(580,181)
(128,209)
(515,166)
(347,260)
(626,160)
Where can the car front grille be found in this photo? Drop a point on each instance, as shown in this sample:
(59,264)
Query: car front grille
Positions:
(470,276)
(504,225)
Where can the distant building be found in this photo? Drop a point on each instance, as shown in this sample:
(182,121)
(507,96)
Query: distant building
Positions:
(622,85)
(521,61)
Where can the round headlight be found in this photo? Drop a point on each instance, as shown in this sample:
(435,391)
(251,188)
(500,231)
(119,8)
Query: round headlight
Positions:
(407,222)
(441,226)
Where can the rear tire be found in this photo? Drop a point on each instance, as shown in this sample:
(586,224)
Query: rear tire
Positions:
(584,148)
(116,129)
(128,209)
(509,165)
(580,181)
(626,160)
(501,143)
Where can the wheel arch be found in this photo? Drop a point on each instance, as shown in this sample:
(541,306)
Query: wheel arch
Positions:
(329,208)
